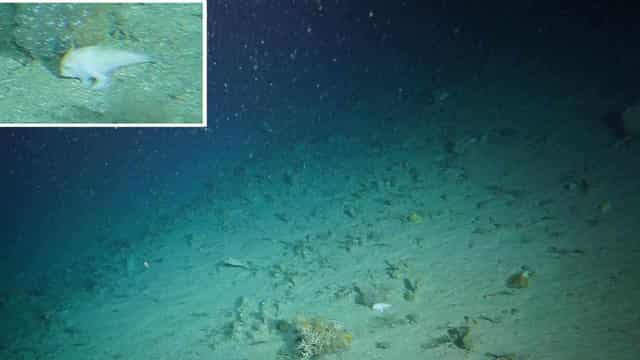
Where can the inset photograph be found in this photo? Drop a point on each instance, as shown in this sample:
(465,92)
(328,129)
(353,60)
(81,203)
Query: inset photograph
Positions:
(102,64)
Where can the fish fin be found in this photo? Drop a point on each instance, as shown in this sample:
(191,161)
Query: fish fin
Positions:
(100,81)
(87,81)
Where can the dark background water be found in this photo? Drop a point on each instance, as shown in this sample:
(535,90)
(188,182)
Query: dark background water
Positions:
(284,71)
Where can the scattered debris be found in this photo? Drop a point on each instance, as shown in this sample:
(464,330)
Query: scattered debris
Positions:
(578,186)
(350,211)
(414,218)
(233,262)
(316,337)
(350,242)
(520,280)
(558,251)
(369,295)
(285,276)
(490,319)
(389,320)
(437,342)
(501,292)
(343,292)
(456,336)
(459,336)
(411,286)
(500,191)
(505,356)
(282,326)
(396,269)
(302,248)
(412,318)
(282,217)
(604,207)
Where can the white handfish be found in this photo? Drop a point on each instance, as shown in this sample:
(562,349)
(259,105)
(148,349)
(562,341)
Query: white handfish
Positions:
(94,65)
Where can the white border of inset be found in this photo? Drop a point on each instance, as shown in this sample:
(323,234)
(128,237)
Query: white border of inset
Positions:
(118,125)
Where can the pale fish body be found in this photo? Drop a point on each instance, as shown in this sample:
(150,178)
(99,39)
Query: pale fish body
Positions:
(95,64)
